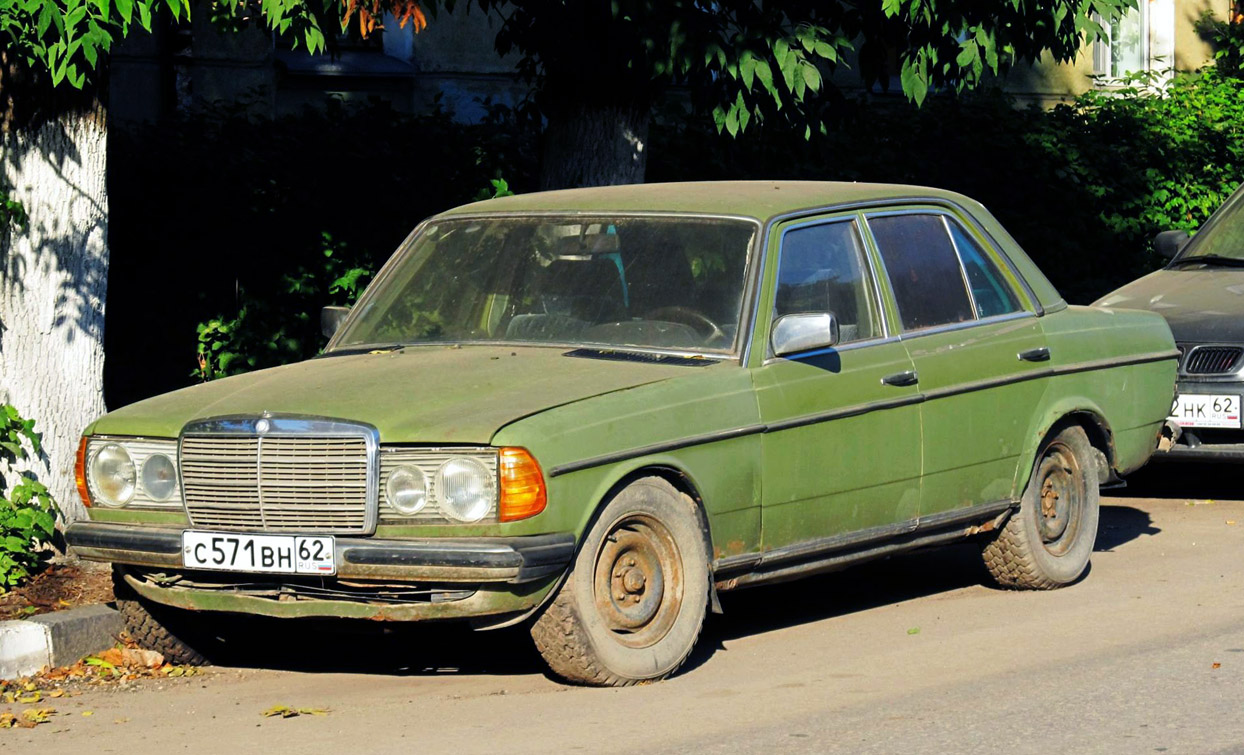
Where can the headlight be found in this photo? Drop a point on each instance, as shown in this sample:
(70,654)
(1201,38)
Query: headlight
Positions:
(407,490)
(465,489)
(159,477)
(112,475)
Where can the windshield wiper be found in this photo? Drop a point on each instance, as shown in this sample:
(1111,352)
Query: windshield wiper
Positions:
(1208,259)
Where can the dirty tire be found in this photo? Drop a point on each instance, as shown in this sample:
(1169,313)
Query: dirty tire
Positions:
(156,627)
(1047,543)
(632,607)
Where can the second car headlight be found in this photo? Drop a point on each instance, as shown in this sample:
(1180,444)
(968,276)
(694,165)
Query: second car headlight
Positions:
(159,477)
(112,475)
(465,489)
(407,490)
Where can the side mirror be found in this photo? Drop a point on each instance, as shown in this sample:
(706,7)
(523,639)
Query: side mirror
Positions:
(331,319)
(804,332)
(1168,243)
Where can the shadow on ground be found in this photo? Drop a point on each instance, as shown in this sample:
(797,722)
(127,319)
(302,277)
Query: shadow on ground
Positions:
(434,649)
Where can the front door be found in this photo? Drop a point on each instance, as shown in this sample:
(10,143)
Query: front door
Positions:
(841,451)
(979,356)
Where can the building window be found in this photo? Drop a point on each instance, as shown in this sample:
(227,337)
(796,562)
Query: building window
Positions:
(1125,48)
(1140,41)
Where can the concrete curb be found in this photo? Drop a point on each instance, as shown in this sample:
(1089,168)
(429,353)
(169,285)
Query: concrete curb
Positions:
(60,638)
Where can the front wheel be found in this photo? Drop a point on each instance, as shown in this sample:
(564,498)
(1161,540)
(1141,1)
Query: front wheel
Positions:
(1047,543)
(634,602)
(165,630)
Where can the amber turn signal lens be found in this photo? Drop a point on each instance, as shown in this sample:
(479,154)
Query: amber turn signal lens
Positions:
(79,473)
(522,485)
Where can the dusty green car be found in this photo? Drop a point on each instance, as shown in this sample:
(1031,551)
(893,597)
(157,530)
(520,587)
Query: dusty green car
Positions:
(593,410)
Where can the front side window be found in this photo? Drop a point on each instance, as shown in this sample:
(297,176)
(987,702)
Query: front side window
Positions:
(644,282)
(923,269)
(822,269)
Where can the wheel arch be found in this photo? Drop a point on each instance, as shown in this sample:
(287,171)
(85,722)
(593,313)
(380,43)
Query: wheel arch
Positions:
(1084,414)
(666,469)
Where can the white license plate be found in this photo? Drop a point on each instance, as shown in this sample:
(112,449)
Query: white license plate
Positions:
(276,554)
(1196,410)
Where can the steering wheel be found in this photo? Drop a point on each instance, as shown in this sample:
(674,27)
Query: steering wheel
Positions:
(689,317)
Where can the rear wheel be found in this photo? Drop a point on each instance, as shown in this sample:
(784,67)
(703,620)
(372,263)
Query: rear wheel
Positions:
(1048,542)
(634,602)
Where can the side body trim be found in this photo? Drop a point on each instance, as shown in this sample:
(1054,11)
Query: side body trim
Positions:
(856,410)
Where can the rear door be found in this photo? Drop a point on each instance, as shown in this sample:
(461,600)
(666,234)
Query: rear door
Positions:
(979,354)
(841,452)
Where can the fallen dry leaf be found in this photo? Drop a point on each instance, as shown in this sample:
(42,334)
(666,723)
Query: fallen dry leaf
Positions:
(32,717)
(1216,665)
(285,711)
(7,720)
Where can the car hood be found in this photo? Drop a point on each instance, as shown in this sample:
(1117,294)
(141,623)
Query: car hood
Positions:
(431,394)
(1201,306)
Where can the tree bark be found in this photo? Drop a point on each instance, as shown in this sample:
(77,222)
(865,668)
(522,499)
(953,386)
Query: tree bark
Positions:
(53,279)
(595,145)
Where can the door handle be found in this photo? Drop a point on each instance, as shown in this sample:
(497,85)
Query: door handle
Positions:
(907,377)
(1039,354)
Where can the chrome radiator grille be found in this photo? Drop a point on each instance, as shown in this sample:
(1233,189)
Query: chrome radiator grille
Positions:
(278,482)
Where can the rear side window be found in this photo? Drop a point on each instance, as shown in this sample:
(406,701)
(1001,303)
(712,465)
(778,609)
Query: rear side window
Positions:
(923,269)
(990,291)
(821,269)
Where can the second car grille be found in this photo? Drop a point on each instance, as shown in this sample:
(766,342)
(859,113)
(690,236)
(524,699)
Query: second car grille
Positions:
(278,483)
(1212,360)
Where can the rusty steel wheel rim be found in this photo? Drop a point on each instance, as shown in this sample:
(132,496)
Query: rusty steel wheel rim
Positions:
(1060,498)
(638,584)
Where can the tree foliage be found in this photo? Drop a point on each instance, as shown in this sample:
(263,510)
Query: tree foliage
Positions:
(26,511)
(748,62)
(745,61)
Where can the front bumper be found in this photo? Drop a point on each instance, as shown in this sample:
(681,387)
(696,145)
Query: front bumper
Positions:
(1206,444)
(483,560)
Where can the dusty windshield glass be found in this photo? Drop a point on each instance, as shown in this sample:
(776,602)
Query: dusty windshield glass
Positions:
(646,282)
(1223,235)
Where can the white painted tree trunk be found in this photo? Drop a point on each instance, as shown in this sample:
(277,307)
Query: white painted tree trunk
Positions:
(53,278)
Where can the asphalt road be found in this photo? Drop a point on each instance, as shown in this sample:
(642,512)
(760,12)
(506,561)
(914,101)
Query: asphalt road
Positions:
(914,654)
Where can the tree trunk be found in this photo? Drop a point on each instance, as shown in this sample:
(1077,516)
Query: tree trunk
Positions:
(53,277)
(595,145)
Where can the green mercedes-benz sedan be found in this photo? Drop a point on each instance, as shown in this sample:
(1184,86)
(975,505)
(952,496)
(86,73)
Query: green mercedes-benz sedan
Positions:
(593,410)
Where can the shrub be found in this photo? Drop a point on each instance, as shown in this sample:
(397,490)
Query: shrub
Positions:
(26,510)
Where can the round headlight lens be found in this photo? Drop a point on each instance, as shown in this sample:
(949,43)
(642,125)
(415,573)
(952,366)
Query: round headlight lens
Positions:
(407,490)
(112,475)
(465,489)
(159,477)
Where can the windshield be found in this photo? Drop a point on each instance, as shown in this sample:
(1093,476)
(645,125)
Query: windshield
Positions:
(1222,235)
(646,282)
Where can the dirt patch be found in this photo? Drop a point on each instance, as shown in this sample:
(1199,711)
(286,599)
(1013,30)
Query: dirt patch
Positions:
(57,587)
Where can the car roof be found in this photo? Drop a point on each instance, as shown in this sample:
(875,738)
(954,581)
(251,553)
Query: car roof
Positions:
(754,199)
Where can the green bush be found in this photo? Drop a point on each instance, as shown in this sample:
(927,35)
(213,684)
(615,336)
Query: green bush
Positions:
(26,510)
